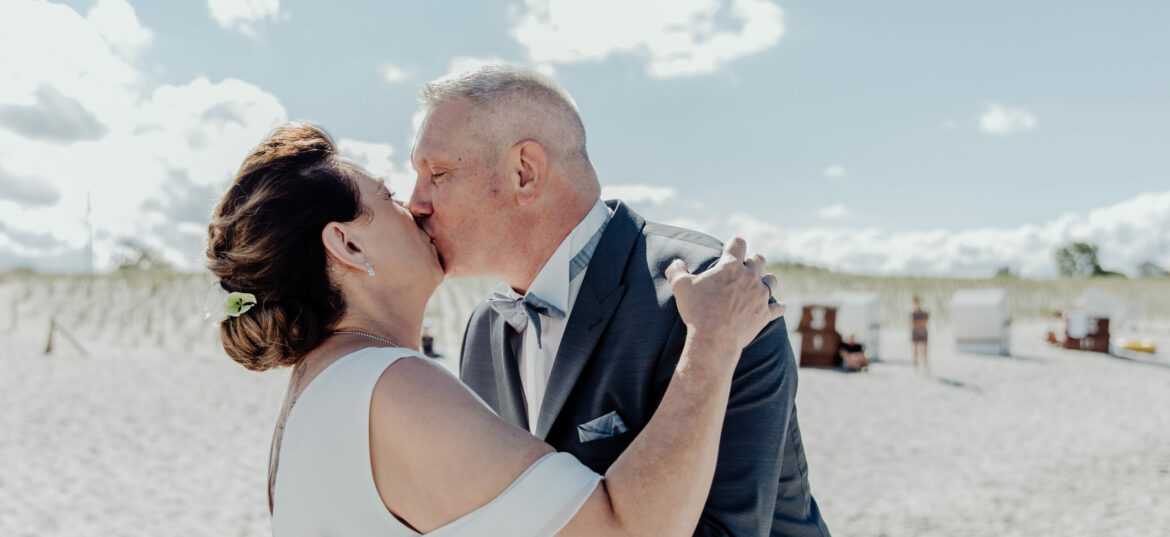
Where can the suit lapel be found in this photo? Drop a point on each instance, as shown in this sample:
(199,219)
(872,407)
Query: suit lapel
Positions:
(509,390)
(600,294)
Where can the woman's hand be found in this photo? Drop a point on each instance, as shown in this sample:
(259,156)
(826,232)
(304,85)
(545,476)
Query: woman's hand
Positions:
(728,303)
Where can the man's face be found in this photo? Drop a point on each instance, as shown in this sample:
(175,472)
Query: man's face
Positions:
(458,198)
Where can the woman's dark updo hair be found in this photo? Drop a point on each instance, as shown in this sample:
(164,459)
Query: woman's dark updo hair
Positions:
(265,239)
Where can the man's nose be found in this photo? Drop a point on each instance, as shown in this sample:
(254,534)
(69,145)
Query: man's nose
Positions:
(420,199)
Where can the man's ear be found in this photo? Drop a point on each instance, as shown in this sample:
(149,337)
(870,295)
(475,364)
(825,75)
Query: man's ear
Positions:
(342,245)
(531,171)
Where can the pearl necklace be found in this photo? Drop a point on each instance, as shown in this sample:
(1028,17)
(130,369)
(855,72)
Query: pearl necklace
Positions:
(371,336)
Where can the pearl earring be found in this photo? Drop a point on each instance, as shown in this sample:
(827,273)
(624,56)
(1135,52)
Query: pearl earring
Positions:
(369,269)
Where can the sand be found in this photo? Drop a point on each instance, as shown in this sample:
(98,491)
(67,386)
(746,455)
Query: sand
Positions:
(171,438)
(1048,442)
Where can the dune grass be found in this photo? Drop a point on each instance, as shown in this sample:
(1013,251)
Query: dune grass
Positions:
(163,309)
(1027,298)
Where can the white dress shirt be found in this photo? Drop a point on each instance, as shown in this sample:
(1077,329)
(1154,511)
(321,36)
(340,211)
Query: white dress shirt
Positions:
(553,286)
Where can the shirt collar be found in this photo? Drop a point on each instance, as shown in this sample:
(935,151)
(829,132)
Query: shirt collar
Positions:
(552,282)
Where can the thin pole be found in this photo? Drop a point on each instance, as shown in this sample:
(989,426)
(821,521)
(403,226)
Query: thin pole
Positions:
(49,343)
(89,228)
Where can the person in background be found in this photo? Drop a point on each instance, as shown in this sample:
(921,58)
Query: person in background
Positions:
(918,320)
(853,355)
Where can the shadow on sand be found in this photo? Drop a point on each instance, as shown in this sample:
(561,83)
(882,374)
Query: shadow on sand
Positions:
(941,380)
(959,384)
(1012,357)
(1139,360)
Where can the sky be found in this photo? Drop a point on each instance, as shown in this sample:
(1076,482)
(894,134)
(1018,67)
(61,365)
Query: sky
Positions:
(906,137)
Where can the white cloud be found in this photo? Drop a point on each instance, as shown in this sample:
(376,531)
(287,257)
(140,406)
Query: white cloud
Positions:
(53,116)
(833,212)
(546,69)
(165,164)
(683,38)
(116,21)
(1127,234)
(834,171)
(29,191)
(760,235)
(242,15)
(206,127)
(50,44)
(378,158)
(153,163)
(638,194)
(393,74)
(1000,120)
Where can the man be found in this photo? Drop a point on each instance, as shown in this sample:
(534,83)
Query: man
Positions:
(580,340)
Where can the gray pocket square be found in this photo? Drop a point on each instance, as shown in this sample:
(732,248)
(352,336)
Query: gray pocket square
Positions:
(604,427)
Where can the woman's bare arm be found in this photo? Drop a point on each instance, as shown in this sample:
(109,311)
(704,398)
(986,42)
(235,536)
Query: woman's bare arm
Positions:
(659,484)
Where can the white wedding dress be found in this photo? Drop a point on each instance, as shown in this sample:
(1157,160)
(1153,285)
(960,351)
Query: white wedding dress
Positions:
(325,486)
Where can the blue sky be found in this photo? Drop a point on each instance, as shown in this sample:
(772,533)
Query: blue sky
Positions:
(886,137)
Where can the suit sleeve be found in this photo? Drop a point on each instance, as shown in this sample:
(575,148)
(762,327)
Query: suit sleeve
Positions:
(763,390)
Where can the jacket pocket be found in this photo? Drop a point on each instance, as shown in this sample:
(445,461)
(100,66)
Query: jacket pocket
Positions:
(599,454)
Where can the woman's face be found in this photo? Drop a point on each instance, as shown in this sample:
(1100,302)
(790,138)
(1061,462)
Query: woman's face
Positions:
(395,246)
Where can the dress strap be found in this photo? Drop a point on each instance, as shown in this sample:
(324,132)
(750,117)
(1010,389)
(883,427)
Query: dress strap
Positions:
(539,503)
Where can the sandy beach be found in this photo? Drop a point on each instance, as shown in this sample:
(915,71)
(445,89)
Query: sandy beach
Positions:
(1048,442)
(166,436)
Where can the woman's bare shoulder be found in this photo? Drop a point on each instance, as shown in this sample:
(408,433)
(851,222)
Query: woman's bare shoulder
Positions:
(413,383)
(416,398)
(432,439)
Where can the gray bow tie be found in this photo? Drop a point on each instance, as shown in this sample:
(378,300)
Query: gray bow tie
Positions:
(518,312)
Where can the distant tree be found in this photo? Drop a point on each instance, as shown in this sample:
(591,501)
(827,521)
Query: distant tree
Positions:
(18,272)
(1078,259)
(1151,270)
(135,256)
(1005,272)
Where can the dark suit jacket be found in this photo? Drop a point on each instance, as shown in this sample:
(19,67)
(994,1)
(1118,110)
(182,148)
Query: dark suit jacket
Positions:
(619,351)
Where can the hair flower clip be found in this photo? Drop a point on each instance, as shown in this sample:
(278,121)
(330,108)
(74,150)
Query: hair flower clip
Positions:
(220,304)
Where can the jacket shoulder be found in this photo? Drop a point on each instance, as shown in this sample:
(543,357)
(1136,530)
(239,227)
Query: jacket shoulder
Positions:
(664,243)
(481,317)
(681,237)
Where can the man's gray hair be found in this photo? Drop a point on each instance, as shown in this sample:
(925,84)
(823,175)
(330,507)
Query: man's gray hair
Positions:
(515,102)
(493,82)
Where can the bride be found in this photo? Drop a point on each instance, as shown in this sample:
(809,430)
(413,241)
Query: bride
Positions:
(322,270)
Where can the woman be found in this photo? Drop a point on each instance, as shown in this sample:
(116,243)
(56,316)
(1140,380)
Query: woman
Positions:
(330,275)
(918,337)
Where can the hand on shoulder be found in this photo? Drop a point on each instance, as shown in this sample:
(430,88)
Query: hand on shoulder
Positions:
(728,303)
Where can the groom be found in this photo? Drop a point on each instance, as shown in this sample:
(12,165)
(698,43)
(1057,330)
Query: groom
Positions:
(505,189)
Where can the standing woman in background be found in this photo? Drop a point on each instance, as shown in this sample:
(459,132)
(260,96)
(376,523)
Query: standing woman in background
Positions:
(918,321)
